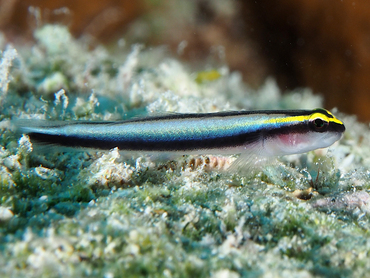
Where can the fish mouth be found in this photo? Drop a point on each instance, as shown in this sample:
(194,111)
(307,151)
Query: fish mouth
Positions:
(327,141)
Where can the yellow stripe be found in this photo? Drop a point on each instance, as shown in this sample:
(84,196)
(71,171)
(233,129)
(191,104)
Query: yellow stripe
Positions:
(315,115)
(325,118)
(335,120)
(292,119)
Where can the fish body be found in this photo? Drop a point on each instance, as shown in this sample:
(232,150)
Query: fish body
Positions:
(266,133)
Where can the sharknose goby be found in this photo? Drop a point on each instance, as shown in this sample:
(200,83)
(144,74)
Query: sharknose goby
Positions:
(263,133)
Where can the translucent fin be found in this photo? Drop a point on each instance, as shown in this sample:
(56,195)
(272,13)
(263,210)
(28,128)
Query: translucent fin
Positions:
(44,148)
(252,160)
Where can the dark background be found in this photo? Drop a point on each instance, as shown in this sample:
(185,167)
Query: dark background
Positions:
(323,45)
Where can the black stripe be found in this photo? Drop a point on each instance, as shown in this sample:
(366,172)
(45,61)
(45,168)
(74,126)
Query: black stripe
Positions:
(142,145)
(322,111)
(220,114)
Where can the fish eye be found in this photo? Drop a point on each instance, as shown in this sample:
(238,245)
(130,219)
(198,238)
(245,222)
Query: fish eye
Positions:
(319,124)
